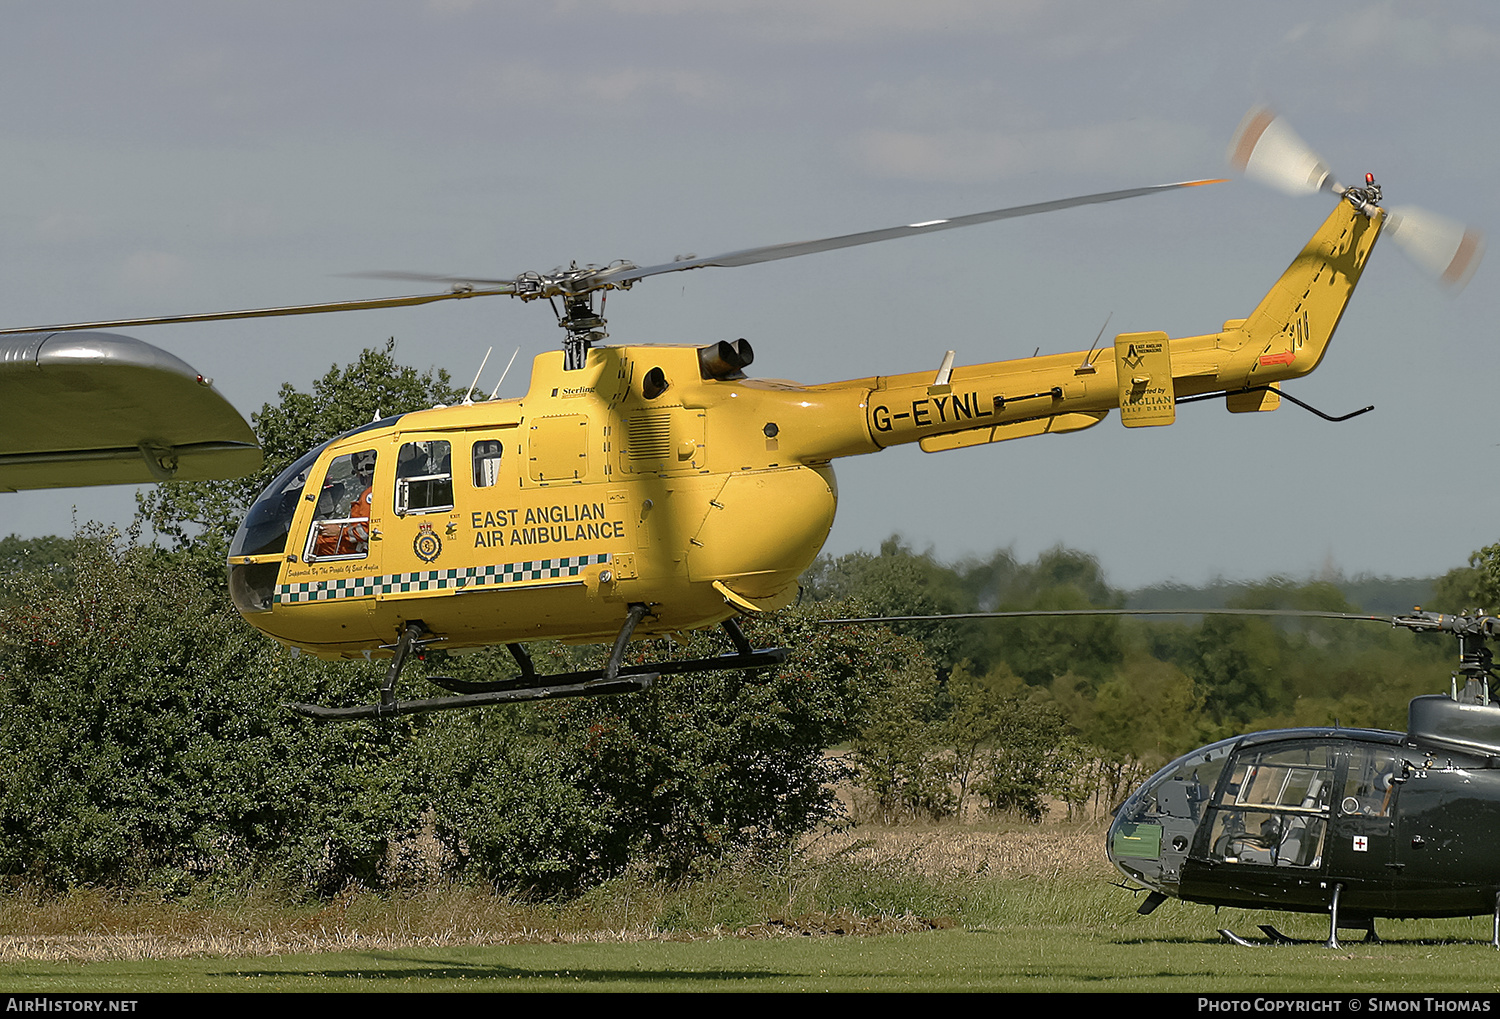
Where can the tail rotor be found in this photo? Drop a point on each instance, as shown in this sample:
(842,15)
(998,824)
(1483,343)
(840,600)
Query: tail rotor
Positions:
(1266,150)
(1447,249)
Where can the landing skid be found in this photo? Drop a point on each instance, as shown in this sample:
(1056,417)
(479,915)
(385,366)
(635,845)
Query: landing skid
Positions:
(755,660)
(1275,937)
(427,705)
(1334,926)
(1234,939)
(1356,922)
(528,686)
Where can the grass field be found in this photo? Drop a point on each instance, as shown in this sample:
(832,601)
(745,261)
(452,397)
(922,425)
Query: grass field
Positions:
(900,910)
(1024,957)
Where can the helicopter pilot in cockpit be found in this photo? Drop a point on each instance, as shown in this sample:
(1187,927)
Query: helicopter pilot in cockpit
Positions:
(342,518)
(1371,799)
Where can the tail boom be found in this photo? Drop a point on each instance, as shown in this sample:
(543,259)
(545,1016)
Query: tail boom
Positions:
(1285,337)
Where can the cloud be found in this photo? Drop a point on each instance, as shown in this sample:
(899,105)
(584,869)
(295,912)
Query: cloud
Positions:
(962,156)
(620,90)
(242,222)
(64,228)
(1380,37)
(151,272)
(821,22)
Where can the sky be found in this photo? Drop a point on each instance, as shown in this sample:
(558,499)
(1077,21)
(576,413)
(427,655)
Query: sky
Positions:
(167,157)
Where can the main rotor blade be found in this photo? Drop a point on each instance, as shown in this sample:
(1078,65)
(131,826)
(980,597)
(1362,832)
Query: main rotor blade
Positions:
(428,277)
(584,279)
(772,252)
(1418,621)
(1292,613)
(294,309)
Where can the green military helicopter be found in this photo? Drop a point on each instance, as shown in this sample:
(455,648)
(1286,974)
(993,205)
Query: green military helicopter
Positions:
(1355,823)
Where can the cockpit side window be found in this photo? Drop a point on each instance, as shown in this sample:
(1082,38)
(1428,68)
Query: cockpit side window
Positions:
(424,477)
(341,519)
(1370,784)
(1274,807)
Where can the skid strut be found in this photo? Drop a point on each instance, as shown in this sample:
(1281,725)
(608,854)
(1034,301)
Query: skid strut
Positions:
(409,636)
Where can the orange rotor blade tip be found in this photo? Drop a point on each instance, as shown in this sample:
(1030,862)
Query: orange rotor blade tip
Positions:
(1248,136)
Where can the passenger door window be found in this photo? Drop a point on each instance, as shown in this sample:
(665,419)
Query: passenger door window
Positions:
(424,477)
(1371,783)
(487,454)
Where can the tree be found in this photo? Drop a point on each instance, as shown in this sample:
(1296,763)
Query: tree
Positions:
(1475,586)
(145,736)
(1042,649)
(897,582)
(901,582)
(896,753)
(202,516)
(23,559)
(1031,753)
(976,708)
(703,767)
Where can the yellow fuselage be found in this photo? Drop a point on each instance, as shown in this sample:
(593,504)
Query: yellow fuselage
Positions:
(639,479)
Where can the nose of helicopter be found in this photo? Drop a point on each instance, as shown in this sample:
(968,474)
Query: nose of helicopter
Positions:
(1153,831)
(1133,844)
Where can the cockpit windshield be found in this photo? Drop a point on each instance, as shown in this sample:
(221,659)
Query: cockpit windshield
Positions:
(266,526)
(1182,787)
(269,520)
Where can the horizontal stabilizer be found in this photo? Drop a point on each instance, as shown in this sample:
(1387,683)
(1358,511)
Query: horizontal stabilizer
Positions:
(1257,400)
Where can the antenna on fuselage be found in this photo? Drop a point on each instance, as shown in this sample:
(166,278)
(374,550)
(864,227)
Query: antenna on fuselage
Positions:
(506,372)
(469,396)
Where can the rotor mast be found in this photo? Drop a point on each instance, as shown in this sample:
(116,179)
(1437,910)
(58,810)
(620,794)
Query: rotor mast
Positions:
(584,327)
(1475,660)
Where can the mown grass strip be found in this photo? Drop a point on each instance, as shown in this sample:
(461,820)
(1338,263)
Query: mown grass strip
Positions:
(1035,959)
(744,932)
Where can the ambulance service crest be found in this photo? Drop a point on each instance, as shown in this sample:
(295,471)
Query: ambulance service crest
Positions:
(428,546)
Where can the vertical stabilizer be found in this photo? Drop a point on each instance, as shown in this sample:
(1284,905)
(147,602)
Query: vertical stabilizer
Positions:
(1295,321)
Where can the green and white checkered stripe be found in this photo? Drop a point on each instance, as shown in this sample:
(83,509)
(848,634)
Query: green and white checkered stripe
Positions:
(559,568)
(326,590)
(537,569)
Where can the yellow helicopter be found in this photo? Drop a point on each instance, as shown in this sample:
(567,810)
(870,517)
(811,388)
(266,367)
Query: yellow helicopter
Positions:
(641,490)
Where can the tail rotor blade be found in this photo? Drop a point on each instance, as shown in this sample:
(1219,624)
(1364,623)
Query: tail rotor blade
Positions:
(1447,249)
(1265,149)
